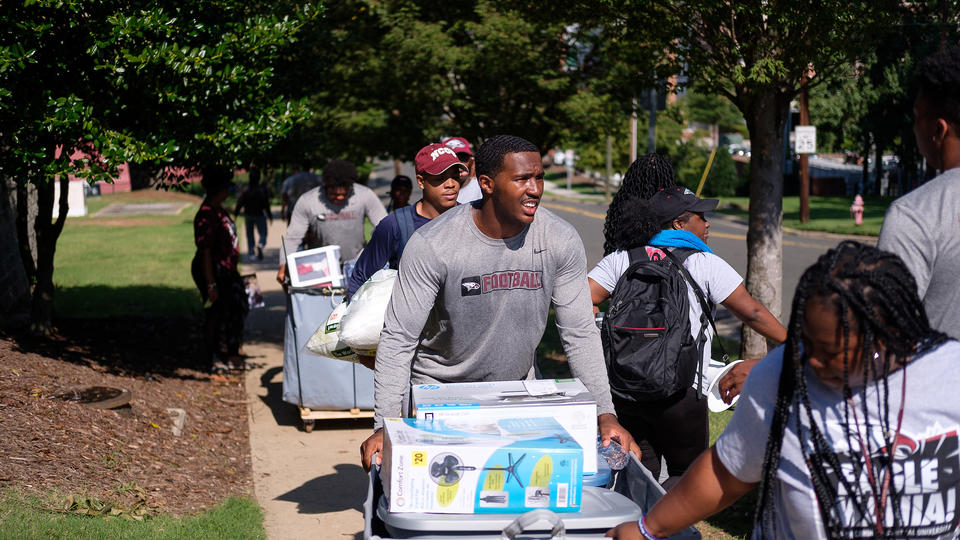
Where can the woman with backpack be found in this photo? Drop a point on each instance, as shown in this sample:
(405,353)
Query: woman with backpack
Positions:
(672,226)
(857,413)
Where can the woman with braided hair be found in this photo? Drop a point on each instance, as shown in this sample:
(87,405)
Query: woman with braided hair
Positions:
(859,411)
(646,176)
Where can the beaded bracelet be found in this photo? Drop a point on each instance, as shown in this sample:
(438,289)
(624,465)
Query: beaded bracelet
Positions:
(644,532)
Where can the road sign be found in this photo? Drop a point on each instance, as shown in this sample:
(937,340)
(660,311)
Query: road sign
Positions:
(805,139)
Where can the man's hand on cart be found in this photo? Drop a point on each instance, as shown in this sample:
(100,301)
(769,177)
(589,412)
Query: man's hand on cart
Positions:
(282,276)
(610,428)
(628,530)
(373,445)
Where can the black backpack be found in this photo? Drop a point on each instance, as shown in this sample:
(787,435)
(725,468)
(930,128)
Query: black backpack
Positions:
(647,344)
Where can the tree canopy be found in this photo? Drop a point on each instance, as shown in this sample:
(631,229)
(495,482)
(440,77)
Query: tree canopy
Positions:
(86,86)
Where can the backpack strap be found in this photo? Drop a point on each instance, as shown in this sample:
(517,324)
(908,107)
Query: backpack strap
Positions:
(678,262)
(405,224)
(706,315)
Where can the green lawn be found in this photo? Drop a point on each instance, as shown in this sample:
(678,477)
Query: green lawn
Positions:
(118,270)
(827,214)
(29,517)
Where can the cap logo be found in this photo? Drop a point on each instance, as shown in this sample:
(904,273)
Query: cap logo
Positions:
(455,143)
(443,150)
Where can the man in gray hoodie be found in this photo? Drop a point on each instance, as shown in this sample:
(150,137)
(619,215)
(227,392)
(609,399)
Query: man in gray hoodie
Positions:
(474,290)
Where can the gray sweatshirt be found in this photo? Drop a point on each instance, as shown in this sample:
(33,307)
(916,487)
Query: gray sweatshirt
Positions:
(923,228)
(467,307)
(322,223)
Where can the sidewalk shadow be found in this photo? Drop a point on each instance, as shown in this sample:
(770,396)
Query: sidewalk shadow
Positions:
(284,414)
(343,490)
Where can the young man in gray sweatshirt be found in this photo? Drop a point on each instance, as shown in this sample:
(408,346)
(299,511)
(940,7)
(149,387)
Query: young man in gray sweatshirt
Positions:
(921,227)
(474,289)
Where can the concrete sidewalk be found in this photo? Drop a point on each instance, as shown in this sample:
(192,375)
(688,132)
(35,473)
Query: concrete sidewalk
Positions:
(310,485)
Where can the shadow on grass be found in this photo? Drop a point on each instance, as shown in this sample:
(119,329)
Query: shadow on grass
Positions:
(139,331)
(102,301)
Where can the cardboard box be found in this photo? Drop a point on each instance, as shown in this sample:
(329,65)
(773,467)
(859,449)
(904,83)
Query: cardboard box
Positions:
(466,467)
(566,400)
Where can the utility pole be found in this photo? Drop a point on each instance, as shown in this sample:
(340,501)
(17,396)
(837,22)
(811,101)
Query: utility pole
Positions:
(804,158)
(652,125)
(633,132)
(606,182)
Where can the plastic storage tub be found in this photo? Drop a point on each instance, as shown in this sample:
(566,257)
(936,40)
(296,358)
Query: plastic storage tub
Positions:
(634,492)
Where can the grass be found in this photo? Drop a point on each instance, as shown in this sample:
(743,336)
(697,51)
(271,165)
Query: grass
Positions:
(31,517)
(120,270)
(827,214)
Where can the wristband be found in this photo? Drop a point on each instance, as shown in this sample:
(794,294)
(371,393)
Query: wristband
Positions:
(644,532)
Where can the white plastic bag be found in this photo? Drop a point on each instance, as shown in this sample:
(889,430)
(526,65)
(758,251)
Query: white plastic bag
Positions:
(326,340)
(361,326)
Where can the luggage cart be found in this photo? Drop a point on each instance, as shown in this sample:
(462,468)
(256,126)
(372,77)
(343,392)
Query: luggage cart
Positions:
(630,493)
(322,388)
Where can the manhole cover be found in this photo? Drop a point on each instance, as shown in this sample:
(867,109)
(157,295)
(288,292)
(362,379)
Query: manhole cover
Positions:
(99,397)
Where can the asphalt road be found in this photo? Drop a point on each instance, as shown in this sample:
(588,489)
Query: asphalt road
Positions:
(728,239)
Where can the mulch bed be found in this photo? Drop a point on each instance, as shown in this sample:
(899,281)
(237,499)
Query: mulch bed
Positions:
(54,446)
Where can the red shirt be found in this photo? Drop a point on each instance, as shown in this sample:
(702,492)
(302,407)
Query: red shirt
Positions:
(213,229)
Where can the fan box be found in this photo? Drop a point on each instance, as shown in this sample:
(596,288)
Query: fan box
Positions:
(466,467)
(566,400)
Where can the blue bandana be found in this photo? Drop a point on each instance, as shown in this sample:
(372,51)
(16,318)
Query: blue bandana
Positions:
(686,239)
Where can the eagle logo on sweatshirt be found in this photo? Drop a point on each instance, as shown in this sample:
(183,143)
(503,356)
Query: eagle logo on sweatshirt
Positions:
(470,286)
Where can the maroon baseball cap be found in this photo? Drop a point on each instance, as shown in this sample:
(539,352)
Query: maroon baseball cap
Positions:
(435,159)
(458,145)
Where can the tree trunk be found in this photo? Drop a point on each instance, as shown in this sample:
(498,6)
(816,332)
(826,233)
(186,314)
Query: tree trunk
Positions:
(878,175)
(766,115)
(48,232)
(23,232)
(865,173)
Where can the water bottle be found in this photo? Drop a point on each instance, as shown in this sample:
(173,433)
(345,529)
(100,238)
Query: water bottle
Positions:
(598,318)
(615,455)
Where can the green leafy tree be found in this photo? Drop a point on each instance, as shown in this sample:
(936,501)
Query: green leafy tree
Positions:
(86,86)
(405,72)
(869,105)
(755,53)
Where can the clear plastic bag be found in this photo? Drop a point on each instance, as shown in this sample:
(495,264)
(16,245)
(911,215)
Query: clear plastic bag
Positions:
(363,322)
(326,340)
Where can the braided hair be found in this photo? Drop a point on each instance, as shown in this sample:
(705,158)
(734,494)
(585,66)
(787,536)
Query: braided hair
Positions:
(647,175)
(874,295)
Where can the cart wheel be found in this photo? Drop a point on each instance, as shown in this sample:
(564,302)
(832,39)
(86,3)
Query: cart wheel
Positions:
(308,425)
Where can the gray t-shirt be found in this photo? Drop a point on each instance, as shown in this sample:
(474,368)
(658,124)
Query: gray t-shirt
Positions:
(296,185)
(467,307)
(716,278)
(321,223)
(927,458)
(923,228)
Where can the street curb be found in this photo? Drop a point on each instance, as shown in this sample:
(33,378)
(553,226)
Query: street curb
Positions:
(864,238)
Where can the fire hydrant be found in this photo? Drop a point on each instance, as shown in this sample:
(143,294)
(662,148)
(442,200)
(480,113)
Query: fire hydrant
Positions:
(857,210)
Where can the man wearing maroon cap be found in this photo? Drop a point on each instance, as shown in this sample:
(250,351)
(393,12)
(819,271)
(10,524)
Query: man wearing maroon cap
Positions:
(469,186)
(438,175)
